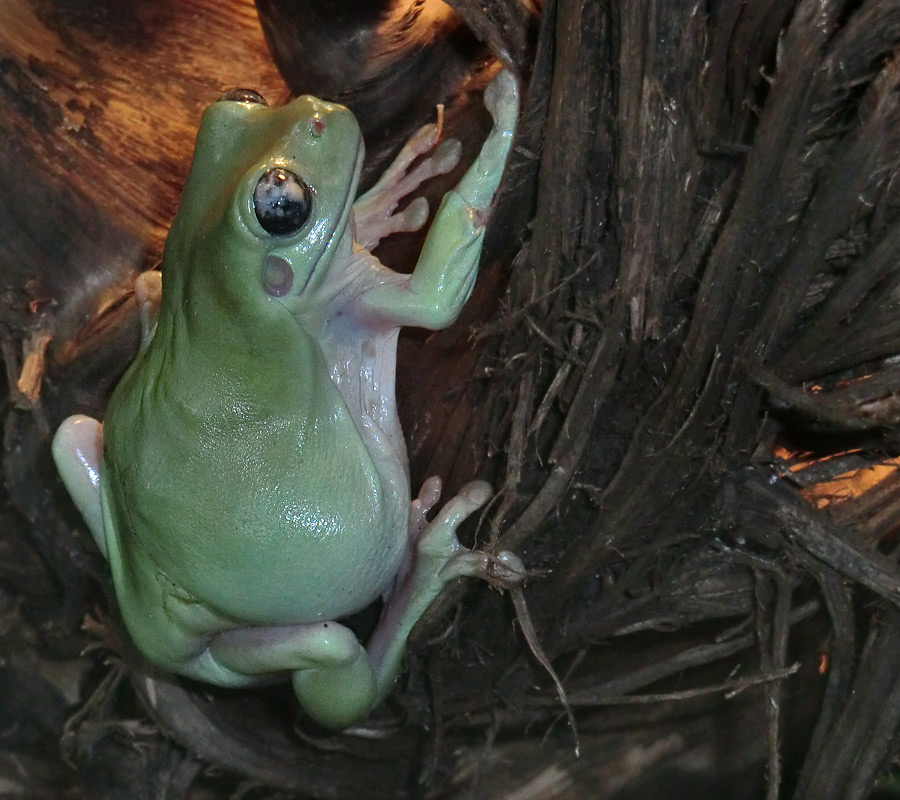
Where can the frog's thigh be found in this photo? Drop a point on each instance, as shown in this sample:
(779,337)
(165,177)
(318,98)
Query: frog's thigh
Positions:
(77,451)
(332,675)
(171,628)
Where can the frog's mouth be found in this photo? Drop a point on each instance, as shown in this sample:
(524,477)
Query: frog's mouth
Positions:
(340,227)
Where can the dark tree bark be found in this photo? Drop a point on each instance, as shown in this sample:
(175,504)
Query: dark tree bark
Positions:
(678,369)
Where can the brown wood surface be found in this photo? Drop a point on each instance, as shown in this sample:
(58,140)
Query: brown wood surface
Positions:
(106,97)
(684,337)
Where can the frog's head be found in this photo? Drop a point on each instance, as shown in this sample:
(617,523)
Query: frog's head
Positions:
(265,207)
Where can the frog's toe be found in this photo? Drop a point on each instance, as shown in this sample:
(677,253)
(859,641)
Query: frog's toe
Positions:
(470,498)
(446,156)
(501,98)
(414,216)
(423,139)
(476,493)
(502,571)
(428,497)
(439,538)
(430,492)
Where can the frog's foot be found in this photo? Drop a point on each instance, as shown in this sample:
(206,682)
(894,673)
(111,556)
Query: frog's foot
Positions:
(148,291)
(78,451)
(330,671)
(439,558)
(374,212)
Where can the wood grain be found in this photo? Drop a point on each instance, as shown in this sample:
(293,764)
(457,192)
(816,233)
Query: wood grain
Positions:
(101,103)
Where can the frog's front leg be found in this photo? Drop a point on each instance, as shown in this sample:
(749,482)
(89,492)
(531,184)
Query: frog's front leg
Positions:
(78,443)
(444,275)
(77,451)
(374,212)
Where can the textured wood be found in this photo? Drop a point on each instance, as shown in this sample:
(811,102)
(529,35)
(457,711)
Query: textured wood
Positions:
(391,61)
(697,337)
(107,97)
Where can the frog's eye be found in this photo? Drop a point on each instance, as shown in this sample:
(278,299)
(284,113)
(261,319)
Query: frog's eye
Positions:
(282,202)
(243,96)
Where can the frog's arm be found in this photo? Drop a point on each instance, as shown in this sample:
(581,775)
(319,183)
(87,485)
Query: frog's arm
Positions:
(444,275)
(78,444)
(77,451)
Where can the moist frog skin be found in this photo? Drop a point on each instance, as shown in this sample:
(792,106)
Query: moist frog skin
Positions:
(249,484)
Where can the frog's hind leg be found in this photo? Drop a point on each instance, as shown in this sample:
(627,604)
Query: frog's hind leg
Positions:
(438,558)
(331,672)
(77,451)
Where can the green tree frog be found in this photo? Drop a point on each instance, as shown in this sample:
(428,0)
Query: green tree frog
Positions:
(249,485)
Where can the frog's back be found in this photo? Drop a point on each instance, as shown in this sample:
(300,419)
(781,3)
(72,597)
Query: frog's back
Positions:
(258,499)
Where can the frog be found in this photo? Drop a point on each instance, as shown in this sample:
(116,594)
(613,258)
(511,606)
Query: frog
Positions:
(249,484)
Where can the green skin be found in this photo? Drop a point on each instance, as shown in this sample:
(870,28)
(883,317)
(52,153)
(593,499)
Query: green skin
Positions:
(249,484)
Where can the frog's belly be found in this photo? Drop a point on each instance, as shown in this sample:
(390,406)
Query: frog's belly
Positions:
(260,530)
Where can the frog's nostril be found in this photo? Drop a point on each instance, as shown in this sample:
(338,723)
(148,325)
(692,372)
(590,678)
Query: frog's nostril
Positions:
(243,96)
(277,276)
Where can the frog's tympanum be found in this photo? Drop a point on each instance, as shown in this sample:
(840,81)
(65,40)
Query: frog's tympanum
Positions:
(249,485)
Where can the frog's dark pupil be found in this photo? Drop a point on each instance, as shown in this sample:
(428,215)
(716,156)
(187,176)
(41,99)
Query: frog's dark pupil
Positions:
(244,96)
(282,202)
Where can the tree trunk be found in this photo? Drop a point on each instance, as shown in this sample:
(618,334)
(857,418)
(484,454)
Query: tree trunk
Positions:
(678,369)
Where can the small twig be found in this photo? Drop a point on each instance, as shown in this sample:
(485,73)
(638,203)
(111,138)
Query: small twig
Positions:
(778,508)
(552,343)
(534,644)
(559,380)
(870,402)
(731,689)
(509,321)
(573,438)
(827,469)
(516,453)
(776,654)
(840,663)
(692,657)
(32,375)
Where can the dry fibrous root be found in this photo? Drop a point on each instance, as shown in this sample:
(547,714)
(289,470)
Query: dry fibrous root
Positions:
(711,336)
